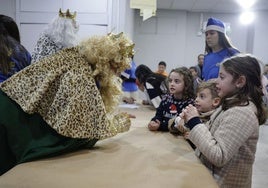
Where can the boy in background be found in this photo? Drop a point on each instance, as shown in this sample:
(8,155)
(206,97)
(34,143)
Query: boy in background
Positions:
(162,68)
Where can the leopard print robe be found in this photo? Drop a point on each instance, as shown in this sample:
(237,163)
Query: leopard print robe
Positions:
(61,89)
(45,46)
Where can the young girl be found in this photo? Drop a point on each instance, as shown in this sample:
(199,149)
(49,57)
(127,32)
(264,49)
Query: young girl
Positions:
(227,143)
(181,95)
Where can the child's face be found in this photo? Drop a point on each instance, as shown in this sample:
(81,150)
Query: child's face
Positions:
(204,101)
(225,84)
(161,68)
(176,84)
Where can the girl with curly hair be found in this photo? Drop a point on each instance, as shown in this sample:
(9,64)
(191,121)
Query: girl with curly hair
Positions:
(181,94)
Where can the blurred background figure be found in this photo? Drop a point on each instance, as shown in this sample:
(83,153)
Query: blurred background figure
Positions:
(152,84)
(199,66)
(10,26)
(14,57)
(129,85)
(162,68)
(196,79)
(60,33)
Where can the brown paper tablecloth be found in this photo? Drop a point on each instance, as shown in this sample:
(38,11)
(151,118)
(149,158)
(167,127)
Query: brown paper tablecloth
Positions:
(135,159)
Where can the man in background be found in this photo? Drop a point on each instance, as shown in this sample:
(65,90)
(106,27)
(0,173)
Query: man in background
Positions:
(199,66)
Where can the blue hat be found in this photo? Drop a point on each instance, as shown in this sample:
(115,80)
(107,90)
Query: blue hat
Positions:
(215,24)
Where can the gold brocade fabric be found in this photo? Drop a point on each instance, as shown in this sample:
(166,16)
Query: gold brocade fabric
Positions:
(62,90)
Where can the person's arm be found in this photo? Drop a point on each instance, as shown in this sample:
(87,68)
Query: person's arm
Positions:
(234,127)
(159,117)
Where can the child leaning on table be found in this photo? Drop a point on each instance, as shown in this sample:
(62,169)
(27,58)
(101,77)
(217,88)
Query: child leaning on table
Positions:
(181,94)
(206,101)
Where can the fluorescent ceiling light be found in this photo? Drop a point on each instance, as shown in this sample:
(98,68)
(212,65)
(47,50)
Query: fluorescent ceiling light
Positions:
(246,4)
(246,18)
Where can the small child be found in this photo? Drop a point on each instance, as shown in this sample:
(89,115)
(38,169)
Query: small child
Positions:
(227,143)
(181,94)
(207,100)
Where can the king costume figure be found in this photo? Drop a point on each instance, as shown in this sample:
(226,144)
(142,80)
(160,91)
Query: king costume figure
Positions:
(59,34)
(64,102)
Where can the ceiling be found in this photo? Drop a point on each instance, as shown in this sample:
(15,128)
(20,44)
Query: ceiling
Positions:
(214,6)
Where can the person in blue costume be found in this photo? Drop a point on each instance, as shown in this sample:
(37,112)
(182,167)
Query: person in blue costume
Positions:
(181,94)
(129,85)
(14,57)
(218,47)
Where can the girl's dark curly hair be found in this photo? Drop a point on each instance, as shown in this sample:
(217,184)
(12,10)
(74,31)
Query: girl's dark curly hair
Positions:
(188,91)
(248,66)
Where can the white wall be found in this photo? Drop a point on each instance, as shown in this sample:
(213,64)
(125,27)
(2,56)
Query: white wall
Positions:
(161,38)
(32,17)
(8,8)
(123,17)
(260,48)
(172,36)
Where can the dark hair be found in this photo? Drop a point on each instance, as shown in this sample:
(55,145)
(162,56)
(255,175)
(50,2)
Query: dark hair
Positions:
(10,26)
(249,67)
(143,72)
(10,47)
(200,55)
(162,63)
(188,91)
(223,42)
(194,68)
(5,51)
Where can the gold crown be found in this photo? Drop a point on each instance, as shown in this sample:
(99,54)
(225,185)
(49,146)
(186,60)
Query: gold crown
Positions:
(67,14)
(128,50)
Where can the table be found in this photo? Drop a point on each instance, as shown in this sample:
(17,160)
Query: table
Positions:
(138,158)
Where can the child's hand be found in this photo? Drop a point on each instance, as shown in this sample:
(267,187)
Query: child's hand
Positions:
(145,102)
(186,135)
(190,112)
(129,100)
(154,125)
(182,128)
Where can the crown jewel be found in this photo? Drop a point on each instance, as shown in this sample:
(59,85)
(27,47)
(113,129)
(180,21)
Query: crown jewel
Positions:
(67,14)
(128,49)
